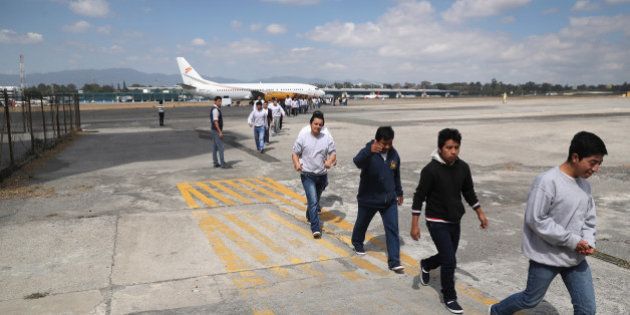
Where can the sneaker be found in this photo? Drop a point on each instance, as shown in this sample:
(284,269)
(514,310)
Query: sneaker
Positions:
(398,269)
(317,234)
(425,275)
(359,251)
(454,307)
(217,165)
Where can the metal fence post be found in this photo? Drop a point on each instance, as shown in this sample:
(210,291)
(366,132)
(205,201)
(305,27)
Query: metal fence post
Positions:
(30,123)
(63,108)
(41,99)
(7,116)
(77,111)
(57,117)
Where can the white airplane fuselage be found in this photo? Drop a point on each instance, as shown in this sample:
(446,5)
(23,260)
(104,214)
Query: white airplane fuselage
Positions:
(199,86)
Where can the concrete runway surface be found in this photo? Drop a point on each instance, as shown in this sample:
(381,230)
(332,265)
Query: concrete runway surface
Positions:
(136,219)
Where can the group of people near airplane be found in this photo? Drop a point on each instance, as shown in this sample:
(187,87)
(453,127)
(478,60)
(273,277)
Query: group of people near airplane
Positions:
(559,221)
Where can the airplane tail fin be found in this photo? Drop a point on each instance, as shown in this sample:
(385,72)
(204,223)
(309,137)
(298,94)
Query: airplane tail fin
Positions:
(188,73)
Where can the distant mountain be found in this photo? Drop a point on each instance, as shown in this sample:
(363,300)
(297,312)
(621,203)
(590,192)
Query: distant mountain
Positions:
(116,76)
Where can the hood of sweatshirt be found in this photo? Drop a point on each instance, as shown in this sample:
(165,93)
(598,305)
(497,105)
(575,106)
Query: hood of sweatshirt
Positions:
(436,156)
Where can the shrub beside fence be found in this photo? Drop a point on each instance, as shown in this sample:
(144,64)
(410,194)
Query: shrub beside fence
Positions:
(29,126)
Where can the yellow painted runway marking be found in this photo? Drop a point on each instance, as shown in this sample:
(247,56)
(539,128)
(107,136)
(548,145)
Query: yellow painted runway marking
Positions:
(368,266)
(308,269)
(230,259)
(246,191)
(188,191)
(230,192)
(237,239)
(306,233)
(281,188)
(263,312)
(215,194)
(248,279)
(352,275)
(271,194)
(259,236)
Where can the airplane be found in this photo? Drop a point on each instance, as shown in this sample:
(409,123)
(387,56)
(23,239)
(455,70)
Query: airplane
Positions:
(193,82)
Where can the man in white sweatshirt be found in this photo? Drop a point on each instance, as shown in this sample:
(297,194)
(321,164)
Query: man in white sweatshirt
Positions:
(277,113)
(258,120)
(559,229)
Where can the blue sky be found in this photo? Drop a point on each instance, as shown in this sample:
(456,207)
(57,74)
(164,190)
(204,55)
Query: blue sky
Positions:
(566,42)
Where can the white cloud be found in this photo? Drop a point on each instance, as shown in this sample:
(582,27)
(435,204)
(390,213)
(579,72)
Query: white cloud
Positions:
(465,9)
(235,24)
(198,42)
(294,2)
(276,29)
(617,1)
(11,37)
(301,49)
(113,49)
(584,5)
(412,34)
(334,66)
(94,8)
(248,46)
(255,27)
(105,29)
(78,27)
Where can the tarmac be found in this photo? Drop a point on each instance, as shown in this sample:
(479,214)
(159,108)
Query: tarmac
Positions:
(136,220)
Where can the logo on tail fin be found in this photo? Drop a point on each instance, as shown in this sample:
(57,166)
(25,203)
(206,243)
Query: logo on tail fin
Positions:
(187,70)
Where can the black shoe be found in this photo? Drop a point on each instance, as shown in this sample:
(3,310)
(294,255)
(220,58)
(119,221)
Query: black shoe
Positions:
(425,277)
(454,307)
(359,250)
(217,165)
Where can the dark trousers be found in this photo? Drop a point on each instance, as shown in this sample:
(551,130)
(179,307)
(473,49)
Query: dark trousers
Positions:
(389,215)
(446,239)
(161,119)
(267,134)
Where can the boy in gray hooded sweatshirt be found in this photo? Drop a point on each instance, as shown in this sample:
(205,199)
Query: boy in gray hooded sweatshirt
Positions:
(559,229)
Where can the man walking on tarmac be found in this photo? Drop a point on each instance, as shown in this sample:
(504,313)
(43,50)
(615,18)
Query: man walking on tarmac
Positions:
(313,155)
(559,229)
(216,132)
(379,191)
(442,183)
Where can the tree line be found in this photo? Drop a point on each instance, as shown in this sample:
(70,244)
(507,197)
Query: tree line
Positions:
(492,88)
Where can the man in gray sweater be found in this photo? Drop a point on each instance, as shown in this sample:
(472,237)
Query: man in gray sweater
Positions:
(559,229)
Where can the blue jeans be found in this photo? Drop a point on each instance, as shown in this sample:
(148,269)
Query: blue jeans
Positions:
(577,279)
(389,215)
(445,236)
(217,147)
(259,137)
(314,185)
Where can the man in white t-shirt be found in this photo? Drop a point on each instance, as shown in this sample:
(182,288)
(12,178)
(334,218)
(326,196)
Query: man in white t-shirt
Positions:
(277,113)
(314,153)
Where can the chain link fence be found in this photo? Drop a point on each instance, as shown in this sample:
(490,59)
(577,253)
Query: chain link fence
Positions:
(29,126)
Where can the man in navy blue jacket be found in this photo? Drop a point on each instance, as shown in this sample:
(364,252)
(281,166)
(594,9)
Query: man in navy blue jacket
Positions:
(379,191)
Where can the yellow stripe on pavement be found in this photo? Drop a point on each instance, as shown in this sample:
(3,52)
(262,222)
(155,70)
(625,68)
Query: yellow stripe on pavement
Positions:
(248,279)
(230,192)
(230,259)
(330,246)
(245,191)
(352,275)
(238,240)
(259,236)
(215,194)
(263,312)
(271,194)
(188,191)
(284,189)
(368,266)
